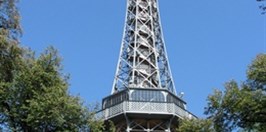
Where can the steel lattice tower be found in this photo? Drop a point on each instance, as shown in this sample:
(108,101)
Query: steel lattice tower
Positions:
(143,96)
(143,60)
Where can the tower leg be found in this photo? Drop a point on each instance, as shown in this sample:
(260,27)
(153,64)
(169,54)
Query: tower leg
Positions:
(169,124)
(127,122)
(144,125)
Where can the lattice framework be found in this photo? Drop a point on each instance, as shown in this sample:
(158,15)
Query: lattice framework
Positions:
(143,61)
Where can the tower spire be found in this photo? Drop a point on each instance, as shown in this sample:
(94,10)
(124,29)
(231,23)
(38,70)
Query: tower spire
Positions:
(143,59)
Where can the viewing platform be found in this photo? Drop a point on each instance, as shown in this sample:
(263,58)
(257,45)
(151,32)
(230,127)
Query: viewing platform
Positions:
(145,103)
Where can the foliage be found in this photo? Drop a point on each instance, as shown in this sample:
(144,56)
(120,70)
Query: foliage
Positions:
(196,125)
(96,124)
(34,95)
(241,106)
(33,90)
(9,19)
(256,73)
(223,105)
(112,127)
(262,6)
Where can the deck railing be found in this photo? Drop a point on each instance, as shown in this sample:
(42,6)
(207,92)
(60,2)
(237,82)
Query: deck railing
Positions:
(145,108)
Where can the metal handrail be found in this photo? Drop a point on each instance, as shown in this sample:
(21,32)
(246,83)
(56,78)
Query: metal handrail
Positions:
(145,107)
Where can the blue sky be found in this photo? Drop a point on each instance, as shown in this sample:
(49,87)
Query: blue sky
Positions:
(208,42)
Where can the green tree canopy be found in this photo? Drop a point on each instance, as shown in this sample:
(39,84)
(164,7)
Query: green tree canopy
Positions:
(196,125)
(33,89)
(256,73)
(240,107)
(34,94)
(9,19)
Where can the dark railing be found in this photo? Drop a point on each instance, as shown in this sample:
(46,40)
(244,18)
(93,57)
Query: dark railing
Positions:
(146,95)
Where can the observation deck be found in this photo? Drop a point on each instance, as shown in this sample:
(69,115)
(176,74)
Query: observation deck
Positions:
(146,103)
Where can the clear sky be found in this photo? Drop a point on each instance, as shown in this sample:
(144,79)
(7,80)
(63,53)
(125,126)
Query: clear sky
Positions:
(208,42)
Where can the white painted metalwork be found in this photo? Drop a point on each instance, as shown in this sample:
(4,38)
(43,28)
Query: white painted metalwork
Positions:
(146,108)
(143,96)
(143,61)
(146,126)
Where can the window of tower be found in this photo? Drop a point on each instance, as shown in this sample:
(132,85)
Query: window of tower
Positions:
(115,99)
(147,96)
(175,100)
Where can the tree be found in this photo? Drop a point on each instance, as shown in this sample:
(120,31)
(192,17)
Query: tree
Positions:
(10,54)
(9,19)
(256,73)
(36,97)
(196,125)
(223,105)
(33,89)
(96,122)
(256,87)
(262,6)
(240,107)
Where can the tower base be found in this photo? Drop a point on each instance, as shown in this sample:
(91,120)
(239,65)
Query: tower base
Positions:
(145,123)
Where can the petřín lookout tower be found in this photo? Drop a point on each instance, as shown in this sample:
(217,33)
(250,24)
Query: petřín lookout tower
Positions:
(143,96)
